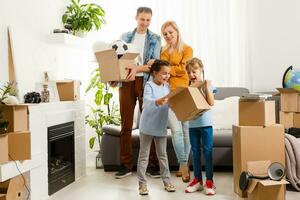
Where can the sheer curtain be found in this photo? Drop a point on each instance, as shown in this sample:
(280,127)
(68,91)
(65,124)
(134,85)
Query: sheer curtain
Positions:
(216,30)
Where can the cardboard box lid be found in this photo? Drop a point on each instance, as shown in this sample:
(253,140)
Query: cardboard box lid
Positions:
(287,90)
(175,92)
(129,56)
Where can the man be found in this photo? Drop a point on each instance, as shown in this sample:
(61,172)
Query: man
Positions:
(149,46)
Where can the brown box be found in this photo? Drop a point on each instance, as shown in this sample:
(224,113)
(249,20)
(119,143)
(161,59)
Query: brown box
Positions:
(264,189)
(112,68)
(3,148)
(188,103)
(252,143)
(19,145)
(290,119)
(289,100)
(257,113)
(13,189)
(68,90)
(17,117)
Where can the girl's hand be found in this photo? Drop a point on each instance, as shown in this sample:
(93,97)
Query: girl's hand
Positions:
(207,84)
(161,101)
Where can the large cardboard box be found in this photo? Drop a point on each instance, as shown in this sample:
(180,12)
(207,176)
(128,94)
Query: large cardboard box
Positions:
(289,100)
(17,117)
(290,119)
(252,143)
(68,90)
(3,148)
(264,189)
(188,103)
(257,113)
(19,145)
(112,68)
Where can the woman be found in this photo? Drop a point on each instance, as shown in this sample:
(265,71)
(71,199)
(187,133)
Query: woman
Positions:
(176,52)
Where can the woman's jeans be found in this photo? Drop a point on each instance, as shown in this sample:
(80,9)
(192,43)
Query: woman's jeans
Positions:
(180,138)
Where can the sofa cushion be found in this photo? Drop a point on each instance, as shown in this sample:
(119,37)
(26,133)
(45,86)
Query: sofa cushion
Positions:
(222,138)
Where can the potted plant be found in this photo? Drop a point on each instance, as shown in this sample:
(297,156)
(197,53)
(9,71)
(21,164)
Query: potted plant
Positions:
(7,90)
(82,18)
(103,111)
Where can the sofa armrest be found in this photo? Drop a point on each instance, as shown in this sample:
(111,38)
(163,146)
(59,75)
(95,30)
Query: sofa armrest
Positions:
(112,130)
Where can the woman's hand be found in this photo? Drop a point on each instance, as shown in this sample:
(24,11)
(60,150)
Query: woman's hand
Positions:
(150,62)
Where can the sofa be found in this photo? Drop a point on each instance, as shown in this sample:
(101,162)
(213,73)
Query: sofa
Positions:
(222,146)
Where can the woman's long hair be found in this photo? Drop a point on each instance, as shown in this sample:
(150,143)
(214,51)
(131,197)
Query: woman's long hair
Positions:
(180,43)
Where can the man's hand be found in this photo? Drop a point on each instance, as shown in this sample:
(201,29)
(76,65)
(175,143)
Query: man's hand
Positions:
(132,72)
(113,83)
(161,101)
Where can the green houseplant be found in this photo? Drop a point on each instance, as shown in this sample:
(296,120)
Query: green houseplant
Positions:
(82,18)
(7,90)
(104,111)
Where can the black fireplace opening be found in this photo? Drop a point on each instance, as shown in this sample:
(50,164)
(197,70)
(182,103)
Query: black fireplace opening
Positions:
(61,165)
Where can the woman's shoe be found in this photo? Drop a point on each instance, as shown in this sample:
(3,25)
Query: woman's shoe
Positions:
(185,174)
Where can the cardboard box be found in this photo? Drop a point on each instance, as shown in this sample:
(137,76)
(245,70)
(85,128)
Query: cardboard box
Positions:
(3,148)
(264,189)
(12,189)
(252,143)
(188,103)
(19,145)
(112,68)
(290,119)
(289,100)
(257,113)
(68,90)
(17,117)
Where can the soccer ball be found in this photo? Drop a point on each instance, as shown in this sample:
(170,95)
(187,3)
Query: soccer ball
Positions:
(119,46)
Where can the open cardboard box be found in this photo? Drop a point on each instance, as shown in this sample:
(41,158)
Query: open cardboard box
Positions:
(188,103)
(252,143)
(264,189)
(112,68)
(290,100)
(17,117)
(290,119)
(256,113)
(19,145)
(68,90)
(3,148)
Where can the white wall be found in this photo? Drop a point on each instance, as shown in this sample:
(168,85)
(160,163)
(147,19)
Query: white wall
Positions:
(274,41)
(31,23)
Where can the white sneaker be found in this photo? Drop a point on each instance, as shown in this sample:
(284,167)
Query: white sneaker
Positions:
(194,186)
(209,188)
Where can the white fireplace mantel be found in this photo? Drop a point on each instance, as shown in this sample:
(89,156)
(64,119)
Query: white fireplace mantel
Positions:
(42,116)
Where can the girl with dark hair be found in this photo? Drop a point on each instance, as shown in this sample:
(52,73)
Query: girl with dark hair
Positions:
(153,125)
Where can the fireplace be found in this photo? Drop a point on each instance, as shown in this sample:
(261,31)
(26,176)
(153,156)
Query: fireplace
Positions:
(61,167)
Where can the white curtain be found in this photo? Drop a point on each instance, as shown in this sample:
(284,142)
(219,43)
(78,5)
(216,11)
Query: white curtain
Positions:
(216,30)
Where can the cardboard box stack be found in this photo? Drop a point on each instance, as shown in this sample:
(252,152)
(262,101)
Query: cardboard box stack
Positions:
(257,138)
(16,144)
(290,107)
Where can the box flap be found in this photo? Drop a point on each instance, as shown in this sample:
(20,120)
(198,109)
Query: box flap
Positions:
(197,85)
(129,56)
(257,168)
(271,182)
(175,92)
(106,55)
(287,90)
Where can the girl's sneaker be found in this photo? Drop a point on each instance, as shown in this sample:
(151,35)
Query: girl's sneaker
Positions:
(194,186)
(143,190)
(209,188)
(169,187)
